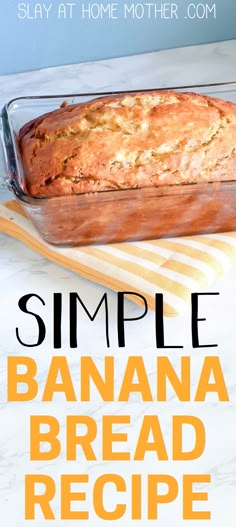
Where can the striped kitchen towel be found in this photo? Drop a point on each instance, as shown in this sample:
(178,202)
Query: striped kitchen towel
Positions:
(175,267)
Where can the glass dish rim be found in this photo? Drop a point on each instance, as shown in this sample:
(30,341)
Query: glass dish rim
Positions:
(11,158)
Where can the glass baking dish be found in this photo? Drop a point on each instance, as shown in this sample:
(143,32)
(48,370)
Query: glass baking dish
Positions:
(115,215)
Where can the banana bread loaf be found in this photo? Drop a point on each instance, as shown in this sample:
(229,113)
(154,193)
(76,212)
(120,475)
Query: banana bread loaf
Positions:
(128,141)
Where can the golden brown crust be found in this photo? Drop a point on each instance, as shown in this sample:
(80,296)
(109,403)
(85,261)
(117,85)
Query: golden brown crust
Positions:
(130,140)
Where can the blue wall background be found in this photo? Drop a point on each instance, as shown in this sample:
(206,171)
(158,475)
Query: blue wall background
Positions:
(27,44)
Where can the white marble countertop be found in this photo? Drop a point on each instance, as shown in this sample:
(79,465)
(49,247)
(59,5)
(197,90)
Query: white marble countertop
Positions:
(22,271)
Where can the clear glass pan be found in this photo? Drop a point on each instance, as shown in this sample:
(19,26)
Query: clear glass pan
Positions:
(116,215)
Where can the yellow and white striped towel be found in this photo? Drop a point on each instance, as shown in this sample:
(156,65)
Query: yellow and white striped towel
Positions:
(175,267)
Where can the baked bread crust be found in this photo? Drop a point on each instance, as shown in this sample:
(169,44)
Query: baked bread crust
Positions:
(129,141)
